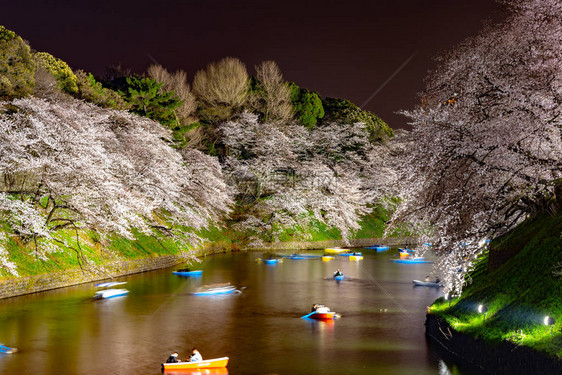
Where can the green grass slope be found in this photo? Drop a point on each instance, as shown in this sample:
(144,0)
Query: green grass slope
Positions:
(519,293)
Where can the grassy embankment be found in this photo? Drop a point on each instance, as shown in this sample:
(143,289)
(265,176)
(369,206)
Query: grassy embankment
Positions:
(519,293)
(98,252)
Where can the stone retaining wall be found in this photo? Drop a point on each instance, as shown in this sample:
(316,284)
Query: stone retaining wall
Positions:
(33,284)
(504,358)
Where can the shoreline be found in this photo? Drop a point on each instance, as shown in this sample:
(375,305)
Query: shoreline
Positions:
(13,287)
(503,358)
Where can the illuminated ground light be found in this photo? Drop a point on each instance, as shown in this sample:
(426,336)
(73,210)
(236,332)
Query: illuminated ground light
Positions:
(549,321)
(483,310)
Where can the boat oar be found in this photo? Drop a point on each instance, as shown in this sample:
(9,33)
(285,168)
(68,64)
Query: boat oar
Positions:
(307,315)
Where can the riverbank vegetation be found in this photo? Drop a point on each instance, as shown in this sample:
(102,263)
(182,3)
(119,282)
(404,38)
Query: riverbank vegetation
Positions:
(487,136)
(485,151)
(519,293)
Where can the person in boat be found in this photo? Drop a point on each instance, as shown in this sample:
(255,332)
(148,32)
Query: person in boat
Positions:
(338,273)
(437,280)
(427,279)
(195,356)
(173,358)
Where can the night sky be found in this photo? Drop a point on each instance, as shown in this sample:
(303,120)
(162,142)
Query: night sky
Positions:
(340,49)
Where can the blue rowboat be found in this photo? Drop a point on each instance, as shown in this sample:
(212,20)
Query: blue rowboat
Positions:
(339,278)
(348,254)
(7,349)
(188,273)
(405,250)
(412,260)
(110,293)
(305,256)
(271,261)
(378,248)
(229,289)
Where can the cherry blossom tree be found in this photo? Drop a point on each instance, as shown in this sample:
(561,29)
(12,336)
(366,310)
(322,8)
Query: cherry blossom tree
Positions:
(291,177)
(69,164)
(485,151)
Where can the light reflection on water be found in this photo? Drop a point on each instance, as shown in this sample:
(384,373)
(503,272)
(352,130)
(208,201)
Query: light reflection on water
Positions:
(381,330)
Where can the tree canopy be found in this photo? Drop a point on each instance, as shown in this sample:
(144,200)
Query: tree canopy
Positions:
(485,151)
(16,65)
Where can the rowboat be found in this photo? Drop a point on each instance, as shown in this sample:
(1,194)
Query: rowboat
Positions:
(7,349)
(426,283)
(185,272)
(110,284)
(411,260)
(406,250)
(205,364)
(271,261)
(348,254)
(327,258)
(339,277)
(110,293)
(321,313)
(335,250)
(378,248)
(213,290)
(355,257)
(305,256)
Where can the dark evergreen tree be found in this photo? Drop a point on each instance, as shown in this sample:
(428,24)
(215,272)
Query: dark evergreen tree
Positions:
(146,99)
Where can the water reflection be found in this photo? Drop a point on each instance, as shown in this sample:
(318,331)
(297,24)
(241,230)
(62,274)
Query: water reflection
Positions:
(213,371)
(381,330)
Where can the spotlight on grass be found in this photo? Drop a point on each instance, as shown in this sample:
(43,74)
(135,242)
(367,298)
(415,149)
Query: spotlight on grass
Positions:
(549,321)
(483,310)
(448,297)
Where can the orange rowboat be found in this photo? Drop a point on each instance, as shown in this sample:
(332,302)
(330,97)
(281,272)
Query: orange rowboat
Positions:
(321,312)
(323,316)
(205,364)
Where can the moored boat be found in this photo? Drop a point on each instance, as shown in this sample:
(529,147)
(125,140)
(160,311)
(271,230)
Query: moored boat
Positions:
(327,258)
(205,364)
(355,257)
(426,283)
(186,272)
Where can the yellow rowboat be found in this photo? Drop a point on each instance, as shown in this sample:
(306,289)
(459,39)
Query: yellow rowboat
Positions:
(327,258)
(335,250)
(355,257)
(205,364)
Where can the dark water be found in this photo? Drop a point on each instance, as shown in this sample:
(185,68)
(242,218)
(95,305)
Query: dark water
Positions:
(381,330)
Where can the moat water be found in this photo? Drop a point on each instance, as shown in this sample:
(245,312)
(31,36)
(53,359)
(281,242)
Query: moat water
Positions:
(380,331)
